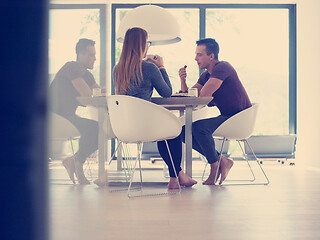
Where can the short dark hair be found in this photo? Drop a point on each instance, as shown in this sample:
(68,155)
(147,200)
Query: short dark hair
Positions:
(82,45)
(211,45)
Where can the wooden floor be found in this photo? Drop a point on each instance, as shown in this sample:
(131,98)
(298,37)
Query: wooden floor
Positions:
(286,209)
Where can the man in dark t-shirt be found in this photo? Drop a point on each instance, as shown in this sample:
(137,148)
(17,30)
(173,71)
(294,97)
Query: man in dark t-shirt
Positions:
(221,81)
(71,81)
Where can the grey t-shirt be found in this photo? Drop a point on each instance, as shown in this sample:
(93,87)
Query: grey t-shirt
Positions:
(62,93)
(153,78)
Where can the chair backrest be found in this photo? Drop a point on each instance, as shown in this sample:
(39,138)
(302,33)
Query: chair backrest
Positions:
(61,128)
(137,120)
(239,126)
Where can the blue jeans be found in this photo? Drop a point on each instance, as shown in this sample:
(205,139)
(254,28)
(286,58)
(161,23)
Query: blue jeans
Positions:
(202,141)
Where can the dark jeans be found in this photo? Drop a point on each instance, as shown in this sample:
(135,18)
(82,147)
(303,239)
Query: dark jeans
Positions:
(89,131)
(202,141)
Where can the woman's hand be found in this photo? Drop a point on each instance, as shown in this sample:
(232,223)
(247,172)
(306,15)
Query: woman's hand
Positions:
(157,60)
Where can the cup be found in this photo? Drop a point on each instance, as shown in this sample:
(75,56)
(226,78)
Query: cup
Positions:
(96,92)
(193,92)
(151,56)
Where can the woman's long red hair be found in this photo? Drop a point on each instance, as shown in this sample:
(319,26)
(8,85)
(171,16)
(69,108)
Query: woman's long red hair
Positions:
(128,71)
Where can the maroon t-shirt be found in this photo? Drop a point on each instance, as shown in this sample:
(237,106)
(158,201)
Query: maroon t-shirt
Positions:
(231,97)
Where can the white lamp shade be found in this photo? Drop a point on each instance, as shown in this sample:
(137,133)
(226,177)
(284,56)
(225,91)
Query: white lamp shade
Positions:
(160,24)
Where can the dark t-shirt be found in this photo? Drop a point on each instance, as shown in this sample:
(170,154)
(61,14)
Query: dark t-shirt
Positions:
(62,93)
(231,97)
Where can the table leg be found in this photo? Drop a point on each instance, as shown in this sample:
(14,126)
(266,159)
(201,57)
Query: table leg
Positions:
(101,141)
(119,158)
(188,140)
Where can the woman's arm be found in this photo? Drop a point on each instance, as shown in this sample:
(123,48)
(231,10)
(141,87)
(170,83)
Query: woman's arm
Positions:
(159,76)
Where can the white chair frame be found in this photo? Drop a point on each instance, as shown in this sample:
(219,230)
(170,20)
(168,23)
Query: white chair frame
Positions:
(228,130)
(146,116)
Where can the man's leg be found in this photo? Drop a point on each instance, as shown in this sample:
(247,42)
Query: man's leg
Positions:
(88,143)
(202,131)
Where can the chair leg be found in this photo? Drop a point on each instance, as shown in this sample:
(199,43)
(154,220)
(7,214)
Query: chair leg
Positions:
(252,181)
(249,165)
(219,163)
(139,147)
(174,169)
(255,157)
(247,160)
(73,154)
(114,153)
(133,171)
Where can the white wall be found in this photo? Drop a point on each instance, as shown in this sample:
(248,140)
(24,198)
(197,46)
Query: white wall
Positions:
(308,21)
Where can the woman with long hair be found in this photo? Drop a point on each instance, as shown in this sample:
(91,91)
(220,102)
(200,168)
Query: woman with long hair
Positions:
(137,75)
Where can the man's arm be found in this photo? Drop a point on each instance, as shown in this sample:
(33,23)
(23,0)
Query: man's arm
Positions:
(82,87)
(210,87)
(96,85)
(183,78)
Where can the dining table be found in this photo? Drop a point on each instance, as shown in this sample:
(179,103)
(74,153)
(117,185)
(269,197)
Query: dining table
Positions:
(184,104)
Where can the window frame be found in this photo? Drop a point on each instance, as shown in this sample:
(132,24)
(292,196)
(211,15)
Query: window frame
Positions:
(202,33)
(103,24)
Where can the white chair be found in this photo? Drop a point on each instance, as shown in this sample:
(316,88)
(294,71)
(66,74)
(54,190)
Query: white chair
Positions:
(107,128)
(134,120)
(239,127)
(62,129)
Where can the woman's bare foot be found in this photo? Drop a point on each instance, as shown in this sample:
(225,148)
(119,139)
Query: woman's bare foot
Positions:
(226,165)
(68,164)
(80,174)
(102,181)
(185,180)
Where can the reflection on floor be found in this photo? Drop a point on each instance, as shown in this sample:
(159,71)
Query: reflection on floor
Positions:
(285,209)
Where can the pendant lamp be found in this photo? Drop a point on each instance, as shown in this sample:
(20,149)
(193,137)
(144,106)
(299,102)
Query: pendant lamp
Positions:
(161,25)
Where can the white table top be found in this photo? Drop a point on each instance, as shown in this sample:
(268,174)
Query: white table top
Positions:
(170,103)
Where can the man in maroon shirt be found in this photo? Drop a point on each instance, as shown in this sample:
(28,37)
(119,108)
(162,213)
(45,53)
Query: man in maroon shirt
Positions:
(220,80)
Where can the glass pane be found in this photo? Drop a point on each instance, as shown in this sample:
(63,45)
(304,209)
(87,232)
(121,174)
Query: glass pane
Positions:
(256,43)
(66,27)
(178,54)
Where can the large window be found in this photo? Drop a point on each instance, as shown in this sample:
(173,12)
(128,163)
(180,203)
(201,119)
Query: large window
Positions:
(69,23)
(255,42)
(175,55)
(258,40)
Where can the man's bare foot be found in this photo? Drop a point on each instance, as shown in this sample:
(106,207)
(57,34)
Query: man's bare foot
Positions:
(226,165)
(173,183)
(213,172)
(185,180)
(68,164)
(80,174)
(102,181)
